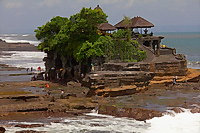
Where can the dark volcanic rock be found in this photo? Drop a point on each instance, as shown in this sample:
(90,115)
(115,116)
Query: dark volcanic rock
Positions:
(136,113)
(2,130)
(30,131)
(177,110)
(195,110)
(29,126)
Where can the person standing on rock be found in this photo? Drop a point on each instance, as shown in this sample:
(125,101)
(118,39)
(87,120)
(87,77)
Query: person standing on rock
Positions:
(27,69)
(174,80)
(62,94)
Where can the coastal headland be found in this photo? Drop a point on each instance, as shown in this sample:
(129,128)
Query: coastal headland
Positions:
(94,67)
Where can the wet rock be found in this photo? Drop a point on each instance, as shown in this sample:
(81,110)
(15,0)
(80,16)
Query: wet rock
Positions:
(136,113)
(30,131)
(118,91)
(195,110)
(29,126)
(95,124)
(71,94)
(195,79)
(177,110)
(83,107)
(40,76)
(2,130)
(33,109)
(196,88)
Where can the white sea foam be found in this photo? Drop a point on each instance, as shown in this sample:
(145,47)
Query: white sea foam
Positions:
(185,122)
(20,41)
(24,59)
(16,38)
(26,35)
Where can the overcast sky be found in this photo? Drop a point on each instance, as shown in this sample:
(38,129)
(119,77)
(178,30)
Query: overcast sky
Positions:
(23,16)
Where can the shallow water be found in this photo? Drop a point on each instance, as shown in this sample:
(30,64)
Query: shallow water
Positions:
(6,78)
(35,90)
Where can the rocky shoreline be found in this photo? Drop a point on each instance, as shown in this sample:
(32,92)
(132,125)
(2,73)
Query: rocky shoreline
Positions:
(33,101)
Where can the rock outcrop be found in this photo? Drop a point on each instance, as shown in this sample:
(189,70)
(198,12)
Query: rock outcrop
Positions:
(136,113)
(2,130)
(29,125)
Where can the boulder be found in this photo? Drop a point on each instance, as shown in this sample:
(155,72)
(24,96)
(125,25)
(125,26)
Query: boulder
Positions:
(136,113)
(195,110)
(177,110)
(2,130)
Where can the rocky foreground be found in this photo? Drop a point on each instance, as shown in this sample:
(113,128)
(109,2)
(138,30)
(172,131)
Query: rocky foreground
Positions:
(34,101)
(39,103)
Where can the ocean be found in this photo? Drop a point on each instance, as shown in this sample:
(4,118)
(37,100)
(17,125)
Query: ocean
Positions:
(23,59)
(185,122)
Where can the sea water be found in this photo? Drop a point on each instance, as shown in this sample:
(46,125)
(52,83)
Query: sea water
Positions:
(20,38)
(184,122)
(23,59)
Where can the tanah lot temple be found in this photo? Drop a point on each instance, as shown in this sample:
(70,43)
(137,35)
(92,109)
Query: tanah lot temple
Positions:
(131,76)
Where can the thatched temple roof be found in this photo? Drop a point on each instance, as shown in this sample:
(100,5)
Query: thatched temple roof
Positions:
(106,27)
(136,22)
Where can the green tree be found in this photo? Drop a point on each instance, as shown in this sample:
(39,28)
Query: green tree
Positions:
(77,38)
(47,33)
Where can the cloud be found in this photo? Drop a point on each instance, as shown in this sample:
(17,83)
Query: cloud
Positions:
(50,3)
(12,3)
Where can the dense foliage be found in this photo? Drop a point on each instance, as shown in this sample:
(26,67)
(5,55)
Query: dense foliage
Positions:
(77,37)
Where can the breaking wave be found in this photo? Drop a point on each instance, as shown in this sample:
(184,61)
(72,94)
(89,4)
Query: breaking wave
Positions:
(184,122)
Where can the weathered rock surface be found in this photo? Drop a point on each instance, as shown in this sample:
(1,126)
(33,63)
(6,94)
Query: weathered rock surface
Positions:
(117,78)
(168,68)
(195,110)
(136,113)
(118,91)
(29,125)
(30,131)
(177,110)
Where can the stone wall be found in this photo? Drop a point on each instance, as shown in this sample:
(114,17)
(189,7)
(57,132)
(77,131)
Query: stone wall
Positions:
(167,51)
